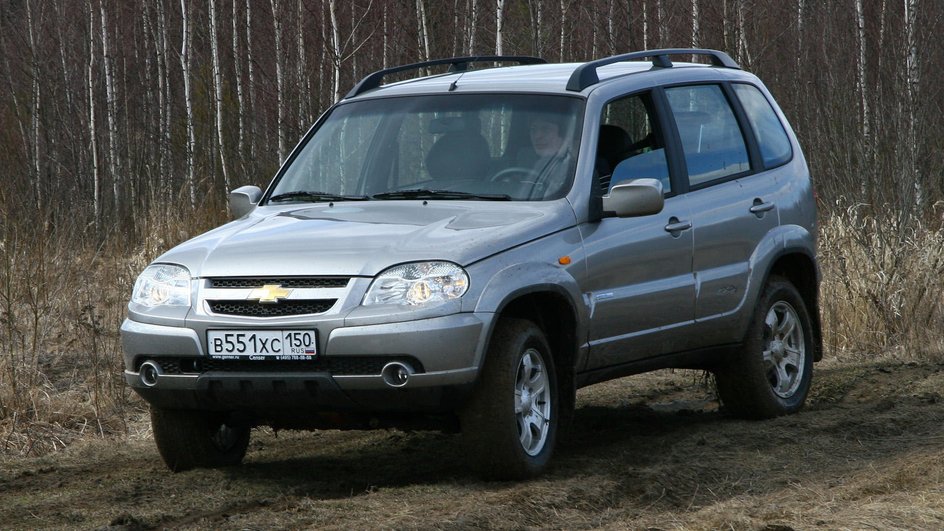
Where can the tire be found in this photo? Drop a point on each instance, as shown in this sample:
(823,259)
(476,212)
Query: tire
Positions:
(510,423)
(770,374)
(194,439)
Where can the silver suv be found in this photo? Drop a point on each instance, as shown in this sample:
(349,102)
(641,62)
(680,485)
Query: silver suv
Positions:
(462,251)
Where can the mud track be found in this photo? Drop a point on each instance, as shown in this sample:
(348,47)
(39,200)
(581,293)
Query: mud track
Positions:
(648,452)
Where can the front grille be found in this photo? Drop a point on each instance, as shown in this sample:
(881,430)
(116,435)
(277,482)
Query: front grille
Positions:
(287,282)
(349,366)
(279,309)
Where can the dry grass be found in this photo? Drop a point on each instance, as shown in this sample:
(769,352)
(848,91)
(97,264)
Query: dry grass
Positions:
(62,301)
(883,283)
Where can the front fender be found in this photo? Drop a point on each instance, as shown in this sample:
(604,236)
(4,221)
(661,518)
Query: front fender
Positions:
(523,279)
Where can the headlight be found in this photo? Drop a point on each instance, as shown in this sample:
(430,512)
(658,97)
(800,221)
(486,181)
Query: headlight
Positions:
(418,283)
(162,285)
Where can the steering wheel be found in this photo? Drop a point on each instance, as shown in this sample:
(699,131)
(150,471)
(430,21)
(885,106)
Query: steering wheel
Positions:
(525,173)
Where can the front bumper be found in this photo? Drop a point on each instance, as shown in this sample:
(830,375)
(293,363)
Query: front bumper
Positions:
(445,353)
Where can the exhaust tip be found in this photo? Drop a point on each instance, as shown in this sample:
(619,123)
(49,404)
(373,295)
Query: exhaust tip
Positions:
(396,374)
(149,372)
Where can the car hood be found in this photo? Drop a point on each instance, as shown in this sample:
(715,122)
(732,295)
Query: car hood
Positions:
(364,238)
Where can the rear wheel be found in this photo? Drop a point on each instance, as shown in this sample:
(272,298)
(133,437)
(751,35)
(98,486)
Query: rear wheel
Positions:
(771,374)
(194,439)
(510,423)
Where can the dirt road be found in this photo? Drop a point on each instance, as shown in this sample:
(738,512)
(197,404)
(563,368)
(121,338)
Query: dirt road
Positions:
(648,452)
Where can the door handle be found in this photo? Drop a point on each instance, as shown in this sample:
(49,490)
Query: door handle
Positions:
(759,207)
(676,227)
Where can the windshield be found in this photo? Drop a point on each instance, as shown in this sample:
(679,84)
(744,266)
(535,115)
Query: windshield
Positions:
(483,147)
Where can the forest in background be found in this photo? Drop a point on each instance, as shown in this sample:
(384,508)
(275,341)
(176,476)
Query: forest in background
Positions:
(124,123)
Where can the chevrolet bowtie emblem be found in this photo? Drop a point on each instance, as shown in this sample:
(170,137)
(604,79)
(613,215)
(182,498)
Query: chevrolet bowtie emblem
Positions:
(269,294)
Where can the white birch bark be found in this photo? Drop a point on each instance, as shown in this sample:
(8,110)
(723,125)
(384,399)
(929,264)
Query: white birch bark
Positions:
(335,50)
(473,25)
(185,58)
(250,72)
(36,174)
(663,24)
(499,20)
(238,78)
(911,90)
(386,36)
(611,27)
(218,94)
(164,100)
(424,28)
(645,24)
(563,27)
(861,71)
(110,112)
(696,20)
(743,49)
(301,70)
(93,134)
(279,77)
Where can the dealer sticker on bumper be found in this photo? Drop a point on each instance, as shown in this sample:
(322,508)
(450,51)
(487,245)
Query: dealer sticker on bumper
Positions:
(262,344)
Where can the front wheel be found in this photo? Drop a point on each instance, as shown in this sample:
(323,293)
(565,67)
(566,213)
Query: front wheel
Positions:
(510,423)
(194,439)
(771,374)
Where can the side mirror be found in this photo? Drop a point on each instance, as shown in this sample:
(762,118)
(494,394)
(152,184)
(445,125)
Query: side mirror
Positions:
(243,199)
(638,197)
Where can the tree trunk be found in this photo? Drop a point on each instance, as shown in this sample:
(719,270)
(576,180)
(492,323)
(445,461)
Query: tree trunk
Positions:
(218,94)
(35,172)
(93,133)
(185,45)
(335,50)
(250,72)
(911,90)
(499,19)
(240,103)
(114,168)
(279,77)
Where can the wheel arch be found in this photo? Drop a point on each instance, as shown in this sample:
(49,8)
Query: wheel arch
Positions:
(552,309)
(799,267)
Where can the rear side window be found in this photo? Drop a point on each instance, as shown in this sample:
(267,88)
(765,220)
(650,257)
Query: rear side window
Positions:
(773,141)
(711,138)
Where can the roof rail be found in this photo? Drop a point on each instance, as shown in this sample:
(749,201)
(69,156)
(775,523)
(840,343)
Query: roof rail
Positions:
(586,74)
(456,64)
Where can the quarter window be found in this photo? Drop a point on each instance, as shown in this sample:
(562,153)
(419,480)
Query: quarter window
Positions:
(711,138)
(773,141)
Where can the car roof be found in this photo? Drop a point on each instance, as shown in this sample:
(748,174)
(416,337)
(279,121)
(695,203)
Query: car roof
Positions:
(546,78)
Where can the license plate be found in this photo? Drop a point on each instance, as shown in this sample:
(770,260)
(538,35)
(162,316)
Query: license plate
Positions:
(262,344)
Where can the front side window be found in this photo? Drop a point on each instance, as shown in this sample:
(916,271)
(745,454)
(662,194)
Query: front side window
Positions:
(630,145)
(518,147)
(774,144)
(712,142)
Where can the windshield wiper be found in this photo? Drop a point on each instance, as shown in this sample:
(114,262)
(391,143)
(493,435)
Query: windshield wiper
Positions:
(315,196)
(422,193)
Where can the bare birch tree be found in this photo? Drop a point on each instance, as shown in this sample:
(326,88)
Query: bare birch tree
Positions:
(911,90)
(218,94)
(499,20)
(861,71)
(36,174)
(114,169)
(93,134)
(240,98)
(185,57)
(279,76)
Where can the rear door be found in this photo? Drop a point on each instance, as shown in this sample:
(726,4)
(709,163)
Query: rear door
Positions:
(734,202)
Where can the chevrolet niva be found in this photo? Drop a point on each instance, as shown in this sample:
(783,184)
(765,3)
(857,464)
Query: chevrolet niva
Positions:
(464,250)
